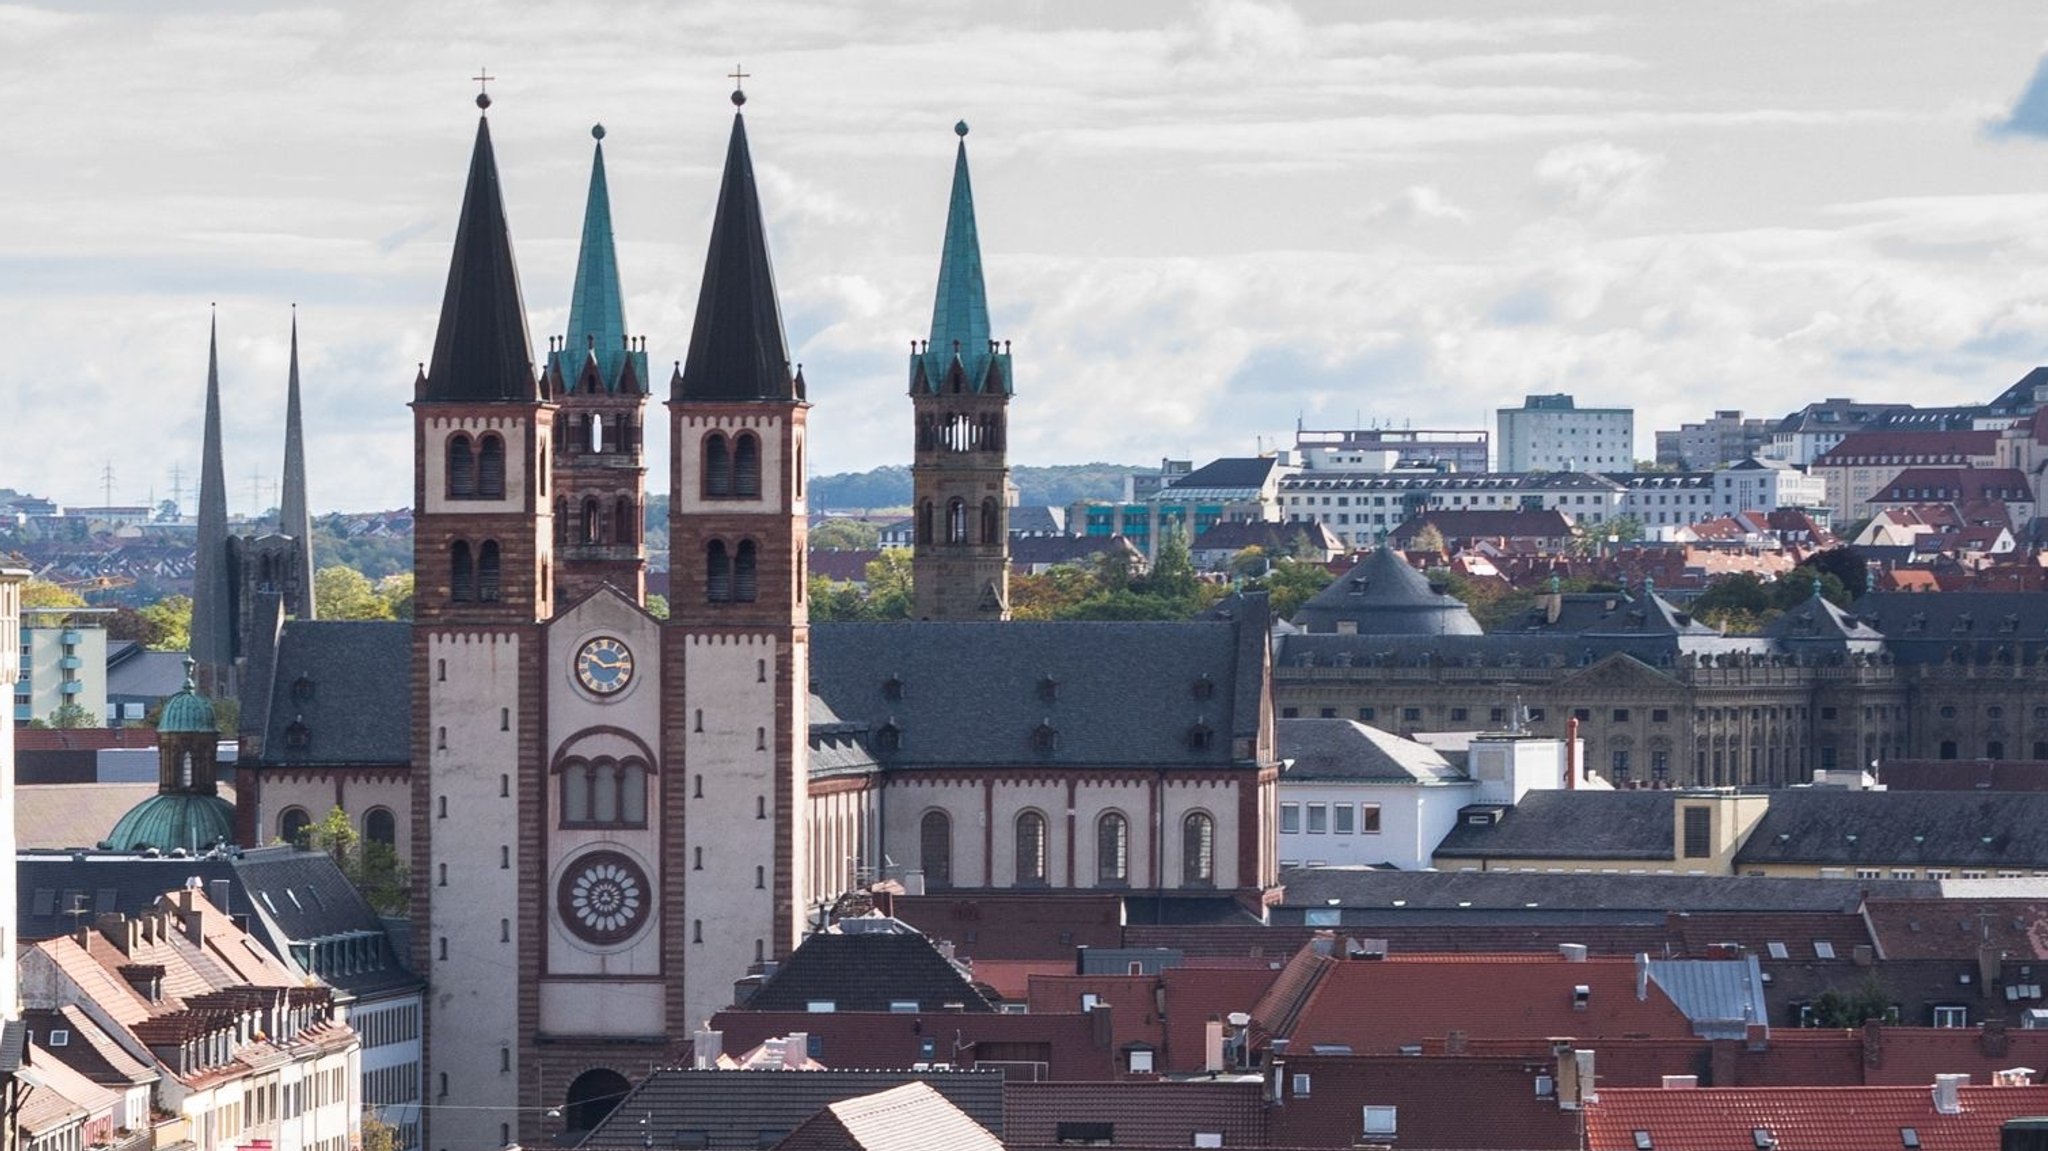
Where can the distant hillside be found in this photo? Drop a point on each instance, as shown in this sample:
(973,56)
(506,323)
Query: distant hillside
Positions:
(889,486)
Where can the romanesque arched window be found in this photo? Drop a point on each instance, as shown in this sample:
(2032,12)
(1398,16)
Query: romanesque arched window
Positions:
(1112,848)
(1031,848)
(924,522)
(292,823)
(935,849)
(461,572)
(561,522)
(380,826)
(489,576)
(746,465)
(625,526)
(591,528)
(717,467)
(604,792)
(1197,849)
(717,572)
(461,468)
(745,572)
(490,468)
(956,521)
(991,522)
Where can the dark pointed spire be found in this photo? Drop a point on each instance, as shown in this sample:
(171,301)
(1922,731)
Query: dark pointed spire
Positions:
(482,351)
(597,306)
(737,349)
(294,518)
(212,631)
(960,309)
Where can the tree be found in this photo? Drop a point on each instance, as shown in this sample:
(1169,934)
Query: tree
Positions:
(169,623)
(1290,583)
(345,593)
(395,590)
(1173,569)
(1623,529)
(1249,563)
(1428,539)
(1849,566)
(889,585)
(657,606)
(377,1134)
(1869,1001)
(1736,602)
(38,593)
(72,715)
(373,868)
(1055,594)
(846,535)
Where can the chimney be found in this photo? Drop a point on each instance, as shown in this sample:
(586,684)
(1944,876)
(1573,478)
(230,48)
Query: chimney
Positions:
(2013,1077)
(706,1047)
(1455,1043)
(1681,1082)
(1572,952)
(771,1054)
(1588,1082)
(1105,1034)
(1212,1046)
(1642,976)
(218,892)
(796,1049)
(1571,753)
(1948,1098)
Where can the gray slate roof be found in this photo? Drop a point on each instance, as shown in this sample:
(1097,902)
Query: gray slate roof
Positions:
(1619,825)
(1230,472)
(1382,595)
(1827,827)
(1351,752)
(1469,892)
(867,971)
(350,684)
(974,693)
(733,1108)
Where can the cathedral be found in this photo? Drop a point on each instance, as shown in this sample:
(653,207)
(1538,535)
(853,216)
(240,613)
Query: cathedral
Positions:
(608,818)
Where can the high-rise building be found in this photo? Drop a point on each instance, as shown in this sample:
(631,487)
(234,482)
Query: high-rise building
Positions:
(1552,434)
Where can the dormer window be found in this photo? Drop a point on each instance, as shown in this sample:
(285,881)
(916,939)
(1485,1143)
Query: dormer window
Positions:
(892,688)
(1045,738)
(888,738)
(1048,689)
(302,689)
(298,736)
(1205,688)
(1200,738)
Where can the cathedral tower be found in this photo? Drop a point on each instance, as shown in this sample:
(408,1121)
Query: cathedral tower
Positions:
(294,519)
(737,641)
(213,629)
(598,376)
(960,386)
(482,534)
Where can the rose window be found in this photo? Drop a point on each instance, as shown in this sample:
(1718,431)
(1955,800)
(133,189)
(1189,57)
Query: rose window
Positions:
(604,897)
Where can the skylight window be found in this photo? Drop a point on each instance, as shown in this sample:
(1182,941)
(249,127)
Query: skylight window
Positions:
(1823,949)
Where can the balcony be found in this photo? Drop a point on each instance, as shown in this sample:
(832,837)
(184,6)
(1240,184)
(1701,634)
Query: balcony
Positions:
(70,663)
(71,687)
(73,637)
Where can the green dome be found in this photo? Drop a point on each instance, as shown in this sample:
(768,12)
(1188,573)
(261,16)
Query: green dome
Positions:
(165,822)
(187,711)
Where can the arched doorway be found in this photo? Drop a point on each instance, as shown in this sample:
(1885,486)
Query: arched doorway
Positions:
(591,1097)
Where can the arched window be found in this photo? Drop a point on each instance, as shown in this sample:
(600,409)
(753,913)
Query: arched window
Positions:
(592,529)
(1031,852)
(490,468)
(746,465)
(935,849)
(561,522)
(1197,849)
(717,467)
(745,578)
(956,521)
(991,522)
(624,528)
(292,823)
(1112,848)
(591,1098)
(489,585)
(604,792)
(461,572)
(717,572)
(924,522)
(461,468)
(380,826)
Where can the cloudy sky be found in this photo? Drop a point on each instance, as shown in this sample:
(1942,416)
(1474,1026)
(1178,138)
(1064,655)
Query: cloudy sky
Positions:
(1202,221)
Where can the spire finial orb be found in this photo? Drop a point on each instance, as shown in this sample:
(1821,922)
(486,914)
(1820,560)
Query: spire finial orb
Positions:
(738,76)
(597,131)
(483,79)
(960,129)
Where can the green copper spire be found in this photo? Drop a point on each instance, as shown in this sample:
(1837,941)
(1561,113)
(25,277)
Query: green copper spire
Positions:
(597,306)
(960,309)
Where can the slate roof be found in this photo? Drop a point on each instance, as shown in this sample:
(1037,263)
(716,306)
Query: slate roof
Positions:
(1819,622)
(737,348)
(1480,890)
(1922,628)
(348,684)
(1275,537)
(481,348)
(912,1117)
(867,970)
(132,670)
(1084,681)
(1034,551)
(732,1109)
(1348,751)
(1383,595)
(1619,825)
(1456,525)
(1954,485)
(1803,1118)
(1037,520)
(1827,827)
(280,894)
(1246,472)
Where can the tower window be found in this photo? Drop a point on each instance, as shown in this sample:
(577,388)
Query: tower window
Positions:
(717,467)
(1031,848)
(488,575)
(461,572)
(717,572)
(604,792)
(956,521)
(561,522)
(461,468)
(1198,849)
(924,522)
(625,529)
(991,522)
(592,529)
(490,468)
(745,573)
(746,466)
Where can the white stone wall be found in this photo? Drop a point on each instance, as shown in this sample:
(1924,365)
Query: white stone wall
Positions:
(845,842)
(688,459)
(472,716)
(314,792)
(437,430)
(1413,820)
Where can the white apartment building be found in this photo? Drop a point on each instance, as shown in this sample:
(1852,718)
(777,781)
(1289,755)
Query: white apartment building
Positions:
(1361,508)
(1551,433)
(62,663)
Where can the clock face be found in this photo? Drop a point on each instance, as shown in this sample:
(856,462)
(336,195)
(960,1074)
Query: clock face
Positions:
(604,666)
(604,898)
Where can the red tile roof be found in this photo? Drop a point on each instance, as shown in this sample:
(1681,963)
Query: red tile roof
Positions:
(1140,1112)
(1955,928)
(1443,1103)
(1803,1118)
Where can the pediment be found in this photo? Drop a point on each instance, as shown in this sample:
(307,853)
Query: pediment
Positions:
(1619,672)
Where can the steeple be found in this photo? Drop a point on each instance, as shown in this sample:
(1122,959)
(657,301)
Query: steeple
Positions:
(960,310)
(212,624)
(293,517)
(597,306)
(481,350)
(737,350)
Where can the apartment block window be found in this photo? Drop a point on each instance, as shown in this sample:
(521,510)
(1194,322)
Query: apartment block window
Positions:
(1411,715)
(1698,832)
(1369,818)
(1458,715)
(1621,715)
(1290,819)
(1660,715)
(1951,1017)
(1365,714)
(1343,818)
(1583,714)
(1318,818)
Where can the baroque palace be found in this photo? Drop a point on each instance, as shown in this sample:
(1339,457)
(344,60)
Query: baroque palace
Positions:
(610,818)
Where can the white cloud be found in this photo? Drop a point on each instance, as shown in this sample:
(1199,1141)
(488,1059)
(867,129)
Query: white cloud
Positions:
(1598,176)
